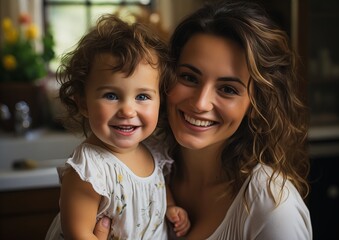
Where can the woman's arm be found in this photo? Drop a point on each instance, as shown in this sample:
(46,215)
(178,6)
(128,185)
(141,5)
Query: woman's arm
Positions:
(78,207)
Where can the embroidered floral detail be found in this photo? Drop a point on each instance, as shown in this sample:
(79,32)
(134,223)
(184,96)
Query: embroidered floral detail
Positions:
(160,185)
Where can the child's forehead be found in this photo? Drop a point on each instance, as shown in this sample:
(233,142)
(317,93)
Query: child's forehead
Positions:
(112,61)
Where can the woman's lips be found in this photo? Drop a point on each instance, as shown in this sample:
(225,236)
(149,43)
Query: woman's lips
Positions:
(197,122)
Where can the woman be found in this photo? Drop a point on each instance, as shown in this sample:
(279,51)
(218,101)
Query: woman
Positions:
(238,125)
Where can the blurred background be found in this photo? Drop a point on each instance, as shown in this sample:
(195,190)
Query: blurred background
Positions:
(35,34)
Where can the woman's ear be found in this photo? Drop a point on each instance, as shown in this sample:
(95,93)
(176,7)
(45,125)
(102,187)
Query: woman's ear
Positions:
(82,105)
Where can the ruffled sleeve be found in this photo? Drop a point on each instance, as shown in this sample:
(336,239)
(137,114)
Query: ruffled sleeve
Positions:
(159,151)
(88,161)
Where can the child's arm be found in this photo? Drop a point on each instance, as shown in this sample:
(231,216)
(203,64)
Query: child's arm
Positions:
(78,207)
(177,215)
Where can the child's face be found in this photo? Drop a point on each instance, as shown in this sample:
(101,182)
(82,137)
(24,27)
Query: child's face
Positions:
(122,111)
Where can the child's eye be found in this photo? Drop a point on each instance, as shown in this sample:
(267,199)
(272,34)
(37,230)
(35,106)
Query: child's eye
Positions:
(111,96)
(142,97)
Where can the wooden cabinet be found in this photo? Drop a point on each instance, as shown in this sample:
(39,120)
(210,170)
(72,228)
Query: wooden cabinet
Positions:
(27,214)
(323,60)
(323,200)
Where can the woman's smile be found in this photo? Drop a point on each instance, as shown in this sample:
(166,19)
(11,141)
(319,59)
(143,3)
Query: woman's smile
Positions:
(197,122)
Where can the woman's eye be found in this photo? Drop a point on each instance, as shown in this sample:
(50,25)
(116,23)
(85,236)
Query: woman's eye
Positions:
(188,78)
(111,96)
(229,90)
(142,97)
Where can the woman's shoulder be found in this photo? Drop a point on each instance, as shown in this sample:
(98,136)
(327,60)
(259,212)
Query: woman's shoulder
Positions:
(269,208)
(274,197)
(275,206)
(268,185)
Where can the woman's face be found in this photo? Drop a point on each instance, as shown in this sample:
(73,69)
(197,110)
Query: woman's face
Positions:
(210,99)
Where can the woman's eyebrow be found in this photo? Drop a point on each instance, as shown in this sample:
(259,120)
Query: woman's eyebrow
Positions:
(226,79)
(194,69)
(232,79)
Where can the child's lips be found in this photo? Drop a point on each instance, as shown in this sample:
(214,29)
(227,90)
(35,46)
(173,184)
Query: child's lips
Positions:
(125,128)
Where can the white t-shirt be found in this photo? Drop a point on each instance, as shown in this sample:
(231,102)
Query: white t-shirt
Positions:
(136,204)
(290,220)
(263,220)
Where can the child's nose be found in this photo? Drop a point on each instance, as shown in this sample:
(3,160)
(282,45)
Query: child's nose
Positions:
(127,110)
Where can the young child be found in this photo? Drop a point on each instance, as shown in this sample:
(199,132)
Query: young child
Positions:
(111,85)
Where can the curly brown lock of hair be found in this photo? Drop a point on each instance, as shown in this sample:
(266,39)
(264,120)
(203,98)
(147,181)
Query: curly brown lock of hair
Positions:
(128,43)
(275,130)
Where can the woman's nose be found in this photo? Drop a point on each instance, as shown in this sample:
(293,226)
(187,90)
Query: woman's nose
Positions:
(202,101)
(127,110)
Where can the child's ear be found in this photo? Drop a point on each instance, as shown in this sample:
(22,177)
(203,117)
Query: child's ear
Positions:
(82,105)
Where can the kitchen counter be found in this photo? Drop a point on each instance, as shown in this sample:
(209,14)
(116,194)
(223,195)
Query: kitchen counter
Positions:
(48,149)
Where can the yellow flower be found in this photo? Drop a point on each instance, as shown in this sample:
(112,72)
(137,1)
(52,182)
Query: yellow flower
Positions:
(9,62)
(6,24)
(31,32)
(11,35)
(119,178)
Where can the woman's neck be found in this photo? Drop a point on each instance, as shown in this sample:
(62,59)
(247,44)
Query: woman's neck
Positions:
(203,166)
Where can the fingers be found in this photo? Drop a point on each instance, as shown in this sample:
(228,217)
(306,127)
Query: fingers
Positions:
(180,220)
(181,227)
(172,214)
(102,228)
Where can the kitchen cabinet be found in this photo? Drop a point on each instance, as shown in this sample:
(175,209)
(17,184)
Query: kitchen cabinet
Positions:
(323,65)
(324,198)
(27,214)
(323,95)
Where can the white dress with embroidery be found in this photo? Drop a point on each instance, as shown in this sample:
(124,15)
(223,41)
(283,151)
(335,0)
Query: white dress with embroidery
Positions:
(136,204)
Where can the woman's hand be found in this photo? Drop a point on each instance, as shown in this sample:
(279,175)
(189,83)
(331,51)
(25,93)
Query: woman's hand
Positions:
(102,228)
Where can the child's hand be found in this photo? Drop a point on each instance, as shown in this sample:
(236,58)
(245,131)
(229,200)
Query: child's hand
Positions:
(179,218)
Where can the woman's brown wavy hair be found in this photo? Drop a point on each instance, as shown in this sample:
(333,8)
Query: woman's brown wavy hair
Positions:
(275,129)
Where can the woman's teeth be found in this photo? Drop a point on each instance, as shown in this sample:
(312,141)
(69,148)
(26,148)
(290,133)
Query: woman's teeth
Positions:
(196,122)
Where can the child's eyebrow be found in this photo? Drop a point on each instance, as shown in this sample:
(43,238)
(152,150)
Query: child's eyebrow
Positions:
(147,90)
(117,89)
